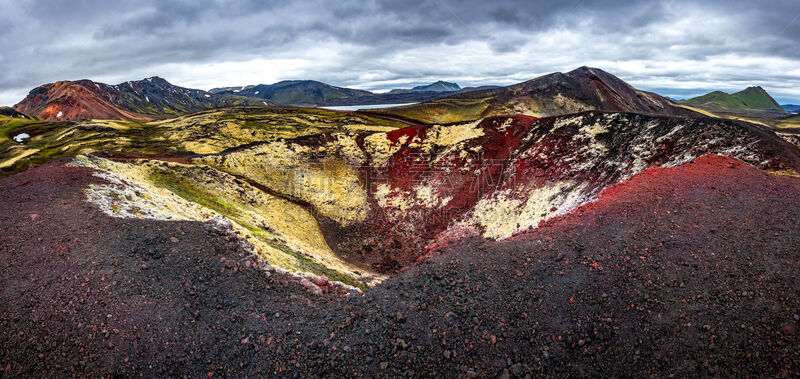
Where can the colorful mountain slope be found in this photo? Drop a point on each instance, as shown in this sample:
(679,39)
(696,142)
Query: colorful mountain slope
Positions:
(749,99)
(134,100)
(579,90)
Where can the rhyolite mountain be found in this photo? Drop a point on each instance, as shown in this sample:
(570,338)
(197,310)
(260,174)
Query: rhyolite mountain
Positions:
(749,99)
(558,93)
(133,100)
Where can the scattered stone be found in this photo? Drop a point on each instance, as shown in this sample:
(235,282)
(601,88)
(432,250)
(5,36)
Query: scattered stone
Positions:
(789,328)
(313,288)
(504,374)
(321,280)
(516,369)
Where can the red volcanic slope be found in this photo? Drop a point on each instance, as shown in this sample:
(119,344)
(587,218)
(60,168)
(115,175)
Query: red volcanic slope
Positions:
(683,271)
(72,101)
(141,99)
(692,185)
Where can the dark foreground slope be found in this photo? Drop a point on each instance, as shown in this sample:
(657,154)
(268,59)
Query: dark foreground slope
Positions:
(690,270)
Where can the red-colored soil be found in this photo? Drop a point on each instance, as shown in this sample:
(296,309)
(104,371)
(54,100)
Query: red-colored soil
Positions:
(73,101)
(687,271)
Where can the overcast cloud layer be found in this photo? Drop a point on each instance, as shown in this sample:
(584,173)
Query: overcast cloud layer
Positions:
(678,49)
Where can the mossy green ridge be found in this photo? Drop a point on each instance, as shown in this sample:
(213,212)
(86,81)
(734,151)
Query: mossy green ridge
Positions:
(206,132)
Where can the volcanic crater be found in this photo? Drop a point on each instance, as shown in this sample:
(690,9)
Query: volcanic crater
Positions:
(290,241)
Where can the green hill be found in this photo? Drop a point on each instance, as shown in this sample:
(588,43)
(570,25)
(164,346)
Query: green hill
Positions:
(750,99)
(439,86)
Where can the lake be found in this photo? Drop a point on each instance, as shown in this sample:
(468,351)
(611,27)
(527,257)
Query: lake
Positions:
(357,107)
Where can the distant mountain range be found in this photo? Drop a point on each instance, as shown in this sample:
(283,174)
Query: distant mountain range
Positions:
(440,102)
(579,90)
(294,92)
(791,107)
(134,100)
(749,99)
(314,93)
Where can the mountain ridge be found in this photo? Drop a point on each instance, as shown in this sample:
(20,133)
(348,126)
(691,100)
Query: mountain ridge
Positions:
(144,99)
(294,92)
(558,93)
(316,93)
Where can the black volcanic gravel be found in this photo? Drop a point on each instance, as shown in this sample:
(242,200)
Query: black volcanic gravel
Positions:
(691,271)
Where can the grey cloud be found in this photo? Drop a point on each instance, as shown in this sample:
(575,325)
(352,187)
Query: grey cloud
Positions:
(387,40)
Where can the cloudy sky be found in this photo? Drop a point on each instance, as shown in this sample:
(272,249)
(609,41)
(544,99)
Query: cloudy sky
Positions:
(676,48)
